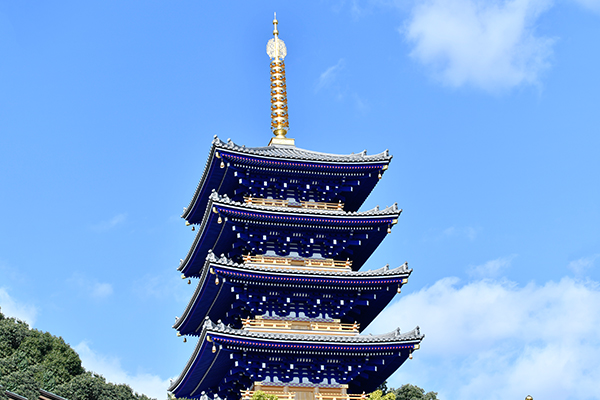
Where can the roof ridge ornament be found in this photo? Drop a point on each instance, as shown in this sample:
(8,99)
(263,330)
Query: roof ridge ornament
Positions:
(277,51)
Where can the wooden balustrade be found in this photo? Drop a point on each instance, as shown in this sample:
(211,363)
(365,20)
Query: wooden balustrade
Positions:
(247,395)
(300,204)
(300,325)
(297,262)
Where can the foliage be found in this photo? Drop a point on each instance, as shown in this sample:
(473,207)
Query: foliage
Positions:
(31,360)
(405,392)
(260,395)
(412,392)
(378,395)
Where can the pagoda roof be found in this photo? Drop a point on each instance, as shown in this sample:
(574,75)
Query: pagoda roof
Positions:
(213,301)
(279,157)
(233,364)
(298,339)
(390,210)
(212,234)
(291,152)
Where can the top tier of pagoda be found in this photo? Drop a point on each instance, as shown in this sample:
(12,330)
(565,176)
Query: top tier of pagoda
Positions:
(288,173)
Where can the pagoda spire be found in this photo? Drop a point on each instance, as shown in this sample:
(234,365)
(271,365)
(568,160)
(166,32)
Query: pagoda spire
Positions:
(279,109)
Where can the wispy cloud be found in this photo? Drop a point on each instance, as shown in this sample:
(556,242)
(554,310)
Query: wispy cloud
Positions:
(466,231)
(13,308)
(110,367)
(492,268)
(109,224)
(164,286)
(582,265)
(329,76)
(593,5)
(502,339)
(91,287)
(490,45)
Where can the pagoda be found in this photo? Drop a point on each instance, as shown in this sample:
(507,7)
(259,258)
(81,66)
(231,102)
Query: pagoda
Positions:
(281,297)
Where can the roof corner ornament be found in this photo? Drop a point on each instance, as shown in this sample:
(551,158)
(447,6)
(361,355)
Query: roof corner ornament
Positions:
(277,51)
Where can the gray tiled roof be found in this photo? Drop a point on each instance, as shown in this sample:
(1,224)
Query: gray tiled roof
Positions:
(295,153)
(395,335)
(51,395)
(14,396)
(390,210)
(380,272)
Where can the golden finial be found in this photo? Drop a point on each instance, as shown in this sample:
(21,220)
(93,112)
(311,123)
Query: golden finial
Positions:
(279,109)
(275,31)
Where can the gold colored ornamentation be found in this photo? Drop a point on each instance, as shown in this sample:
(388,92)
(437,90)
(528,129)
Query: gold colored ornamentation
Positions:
(220,220)
(279,109)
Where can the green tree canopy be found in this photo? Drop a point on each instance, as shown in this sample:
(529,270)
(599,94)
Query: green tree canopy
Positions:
(405,392)
(31,360)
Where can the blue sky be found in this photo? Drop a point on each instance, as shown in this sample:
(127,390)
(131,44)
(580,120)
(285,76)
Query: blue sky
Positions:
(490,108)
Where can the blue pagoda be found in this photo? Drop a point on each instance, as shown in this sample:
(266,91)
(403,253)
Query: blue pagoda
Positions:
(281,298)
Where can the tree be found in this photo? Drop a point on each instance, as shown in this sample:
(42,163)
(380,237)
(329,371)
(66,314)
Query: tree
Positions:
(31,360)
(412,392)
(260,395)
(378,395)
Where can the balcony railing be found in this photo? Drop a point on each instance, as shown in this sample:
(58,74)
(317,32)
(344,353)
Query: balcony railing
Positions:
(297,262)
(247,395)
(294,204)
(321,327)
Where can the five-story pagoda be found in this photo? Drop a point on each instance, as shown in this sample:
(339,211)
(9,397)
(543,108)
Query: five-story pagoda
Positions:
(281,299)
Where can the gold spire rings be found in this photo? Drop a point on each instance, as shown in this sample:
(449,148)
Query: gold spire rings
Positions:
(279,109)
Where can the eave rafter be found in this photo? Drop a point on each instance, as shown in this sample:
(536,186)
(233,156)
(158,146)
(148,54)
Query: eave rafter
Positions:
(242,289)
(236,229)
(233,169)
(241,357)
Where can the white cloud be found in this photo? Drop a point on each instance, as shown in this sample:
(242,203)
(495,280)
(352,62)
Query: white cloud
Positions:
(488,44)
(111,369)
(329,76)
(111,223)
(582,265)
(593,5)
(91,287)
(163,286)
(12,308)
(468,231)
(101,290)
(502,340)
(492,268)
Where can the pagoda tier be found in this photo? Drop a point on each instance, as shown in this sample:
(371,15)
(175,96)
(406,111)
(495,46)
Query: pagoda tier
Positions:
(286,172)
(227,361)
(229,291)
(237,229)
